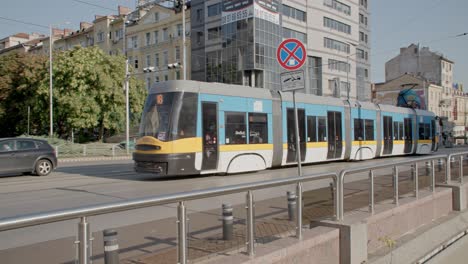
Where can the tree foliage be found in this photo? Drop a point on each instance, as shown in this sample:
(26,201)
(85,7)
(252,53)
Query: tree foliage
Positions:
(88,92)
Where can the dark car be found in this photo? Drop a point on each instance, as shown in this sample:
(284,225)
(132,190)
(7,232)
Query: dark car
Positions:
(26,155)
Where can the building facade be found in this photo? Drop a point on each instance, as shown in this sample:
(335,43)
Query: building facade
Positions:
(154,43)
(235,41)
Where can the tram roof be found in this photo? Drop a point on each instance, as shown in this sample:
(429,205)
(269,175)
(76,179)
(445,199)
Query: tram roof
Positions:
(211,88)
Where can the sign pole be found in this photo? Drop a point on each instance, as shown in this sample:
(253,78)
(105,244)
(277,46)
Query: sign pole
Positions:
(298,145)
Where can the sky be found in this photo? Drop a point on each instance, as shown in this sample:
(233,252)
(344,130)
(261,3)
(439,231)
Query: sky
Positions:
(394,24)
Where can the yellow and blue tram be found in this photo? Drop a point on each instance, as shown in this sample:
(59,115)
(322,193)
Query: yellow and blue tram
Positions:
(190,128)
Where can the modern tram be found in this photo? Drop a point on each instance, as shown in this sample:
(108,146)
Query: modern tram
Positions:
(191,127)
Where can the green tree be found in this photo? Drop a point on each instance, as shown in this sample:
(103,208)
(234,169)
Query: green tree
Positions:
(23,83)
(87,93)
(88,90)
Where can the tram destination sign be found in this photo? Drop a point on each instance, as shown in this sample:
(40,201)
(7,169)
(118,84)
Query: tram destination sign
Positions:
(292,81)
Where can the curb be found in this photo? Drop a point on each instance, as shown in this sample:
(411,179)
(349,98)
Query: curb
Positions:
(98,158)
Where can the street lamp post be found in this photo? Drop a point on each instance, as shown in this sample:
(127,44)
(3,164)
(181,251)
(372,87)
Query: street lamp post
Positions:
(348,69)
(51,125)
(183,42)
(126,86)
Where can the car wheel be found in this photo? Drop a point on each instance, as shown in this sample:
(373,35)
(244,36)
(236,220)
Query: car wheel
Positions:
(43,167)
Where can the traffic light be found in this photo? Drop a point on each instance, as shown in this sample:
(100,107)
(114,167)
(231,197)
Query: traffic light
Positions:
(148,69)
(178,4)
(174,65)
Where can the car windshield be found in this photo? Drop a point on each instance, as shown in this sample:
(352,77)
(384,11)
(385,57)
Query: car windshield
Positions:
(169,116)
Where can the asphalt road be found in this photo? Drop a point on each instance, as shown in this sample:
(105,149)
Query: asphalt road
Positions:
(89,183)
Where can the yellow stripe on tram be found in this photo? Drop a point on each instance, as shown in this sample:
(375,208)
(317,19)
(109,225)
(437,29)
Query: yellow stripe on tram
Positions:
(185,145)
(245,147)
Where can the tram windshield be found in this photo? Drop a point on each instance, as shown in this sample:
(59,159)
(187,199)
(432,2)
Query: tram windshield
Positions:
(170,116)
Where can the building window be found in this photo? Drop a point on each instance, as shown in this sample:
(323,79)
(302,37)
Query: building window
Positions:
(177,53)
(315,75)
(364,3)
(214,33)
(179,30)
(214,10)
(156,60)
(338,65)
(289,33)
(148,83)
(339,6)
(235,128)
(156,17)
(199,14)
(258,128)
(148,60)
(148,39)
(156,37)
(363,37)
(336,45)
(156,78)
(165,36)
(165,57)
(294,13)
(100,37)
(134,42)
(336,25)
(119,34)
(136,64)
(166,77)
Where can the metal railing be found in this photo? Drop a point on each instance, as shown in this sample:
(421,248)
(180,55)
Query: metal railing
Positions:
(448,174)
(394,165)
(84,234)
(181,198)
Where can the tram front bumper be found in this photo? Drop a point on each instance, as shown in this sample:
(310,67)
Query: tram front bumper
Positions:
(165,164)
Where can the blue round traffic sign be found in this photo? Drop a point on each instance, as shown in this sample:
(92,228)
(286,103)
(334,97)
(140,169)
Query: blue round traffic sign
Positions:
(291,54)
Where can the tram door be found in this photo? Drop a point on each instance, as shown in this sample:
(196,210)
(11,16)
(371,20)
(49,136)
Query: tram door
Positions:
(388,135)
(291,157)
(433,135)
(210,136)
(408,135)
(335,136)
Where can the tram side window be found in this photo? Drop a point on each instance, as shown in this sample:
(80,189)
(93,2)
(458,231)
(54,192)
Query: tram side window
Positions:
(395,130)
(358,129)
(322,129)
(235,128)
(187,126)
(369,127)
(400,130)
(258,128)
(311,129)
(424,130)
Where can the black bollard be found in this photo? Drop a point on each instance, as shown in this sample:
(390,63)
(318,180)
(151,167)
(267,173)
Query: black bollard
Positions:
(228,220)
(291,205)
(111,247)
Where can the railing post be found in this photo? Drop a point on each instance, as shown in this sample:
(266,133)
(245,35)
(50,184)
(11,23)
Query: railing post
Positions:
(83,237)
(181,234)
(395,186)
(299,211)
(432,187)
(335,198)
(416,181)
(461,169)
(448,172)
(340,202)
(250,224)
(371,192)
(291,196)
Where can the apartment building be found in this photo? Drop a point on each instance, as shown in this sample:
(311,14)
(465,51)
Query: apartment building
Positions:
(155,43)
(235,42)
